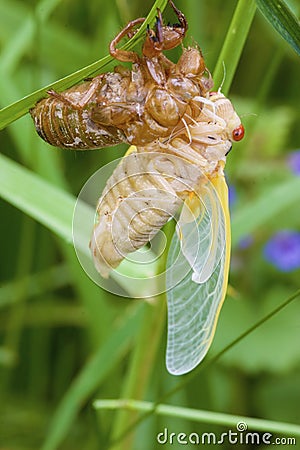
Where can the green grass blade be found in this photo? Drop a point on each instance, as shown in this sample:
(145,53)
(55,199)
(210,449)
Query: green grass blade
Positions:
(134,386)
(283,20)
(248,219)
(44,8)
(18,109)
(53,208)
(205,364)
(201,416)
(36,197)
(90,378)
(234,44)
(36,284)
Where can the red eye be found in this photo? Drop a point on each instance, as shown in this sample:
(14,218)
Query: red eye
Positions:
(238,133)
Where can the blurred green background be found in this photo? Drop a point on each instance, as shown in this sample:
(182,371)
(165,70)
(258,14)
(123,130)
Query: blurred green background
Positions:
(64,341)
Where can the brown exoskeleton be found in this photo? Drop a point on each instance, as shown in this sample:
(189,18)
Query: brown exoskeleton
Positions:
(134,106)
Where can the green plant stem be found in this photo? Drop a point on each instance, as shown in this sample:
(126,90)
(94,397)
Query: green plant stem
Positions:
(208,362)
(36,284)
(95,370)
(283,20)
(198,415)
(141,366)
(17,313)
(234,44)
(144,354)
(261,210)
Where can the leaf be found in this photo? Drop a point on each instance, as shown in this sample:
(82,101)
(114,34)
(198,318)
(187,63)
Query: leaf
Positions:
(53,208)
(263,209)
(283,20)
(233,44)
(92,374)
(18,109)
(198,415)
(273,347)
(38,198)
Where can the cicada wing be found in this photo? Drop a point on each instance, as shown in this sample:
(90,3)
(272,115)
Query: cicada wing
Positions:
(201,230)
(193,307)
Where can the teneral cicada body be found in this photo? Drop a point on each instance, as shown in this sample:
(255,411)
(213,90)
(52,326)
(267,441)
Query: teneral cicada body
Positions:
(150,183)
(149,186)
(135,106)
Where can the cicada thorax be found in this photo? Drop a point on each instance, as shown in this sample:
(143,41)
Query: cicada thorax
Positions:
(207,140)
(143,193)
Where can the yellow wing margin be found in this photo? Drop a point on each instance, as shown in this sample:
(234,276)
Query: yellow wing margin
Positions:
(221,188)
(194,306)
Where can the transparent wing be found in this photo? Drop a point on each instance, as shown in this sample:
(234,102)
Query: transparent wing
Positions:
(201,252)
(201,230)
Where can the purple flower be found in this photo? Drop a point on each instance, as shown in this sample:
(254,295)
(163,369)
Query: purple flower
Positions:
(245,242)
(232,196)
(283,250)
(294,162)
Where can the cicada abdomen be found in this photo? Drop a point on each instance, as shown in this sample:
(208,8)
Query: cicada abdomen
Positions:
(64,120)
(149,185)
(135,106)
(143,193)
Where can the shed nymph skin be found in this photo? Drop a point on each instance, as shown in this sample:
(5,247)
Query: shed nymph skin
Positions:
(135,106)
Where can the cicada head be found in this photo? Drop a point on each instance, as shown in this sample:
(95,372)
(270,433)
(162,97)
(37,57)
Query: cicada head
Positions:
(224,110)
(215,129)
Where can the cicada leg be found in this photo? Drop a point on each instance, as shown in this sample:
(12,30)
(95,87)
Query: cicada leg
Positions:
(124,55)
(84,100)
(181,17)
(116,113)
(164,37)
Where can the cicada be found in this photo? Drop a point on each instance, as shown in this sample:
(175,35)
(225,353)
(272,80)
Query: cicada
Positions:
(181,133)
(146,189)
(134,106)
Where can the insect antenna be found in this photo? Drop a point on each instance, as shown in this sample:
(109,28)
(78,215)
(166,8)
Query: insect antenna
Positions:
(187,130)
(224,77)
(177,131)
(206,101)
(191,119)
(248,114)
